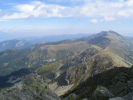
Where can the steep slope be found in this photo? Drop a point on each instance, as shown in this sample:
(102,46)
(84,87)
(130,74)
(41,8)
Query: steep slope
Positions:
(113,52)
(116,82)
(31,88)
(13,78)
(113,42)
(94,60)
(89,63)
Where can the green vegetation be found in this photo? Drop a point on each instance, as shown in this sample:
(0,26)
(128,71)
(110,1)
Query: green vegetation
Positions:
(83,68)
(37,55)
(48,71)
(115,82)
(31,88)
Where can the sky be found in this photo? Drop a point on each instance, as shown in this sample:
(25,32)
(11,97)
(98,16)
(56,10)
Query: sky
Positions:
(47,17)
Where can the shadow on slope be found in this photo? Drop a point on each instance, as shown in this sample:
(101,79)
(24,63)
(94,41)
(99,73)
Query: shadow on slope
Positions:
(14,77)
(119,81)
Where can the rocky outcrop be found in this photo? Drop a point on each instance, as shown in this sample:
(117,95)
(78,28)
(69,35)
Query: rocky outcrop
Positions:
(31,88)
(117,81)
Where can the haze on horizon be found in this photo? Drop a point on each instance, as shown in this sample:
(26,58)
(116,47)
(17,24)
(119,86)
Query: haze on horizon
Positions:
(48,17)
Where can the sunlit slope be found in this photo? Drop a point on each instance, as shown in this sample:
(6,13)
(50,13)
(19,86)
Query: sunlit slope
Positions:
(37,55)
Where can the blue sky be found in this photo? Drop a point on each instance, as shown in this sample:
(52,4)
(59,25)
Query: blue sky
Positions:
(44,17)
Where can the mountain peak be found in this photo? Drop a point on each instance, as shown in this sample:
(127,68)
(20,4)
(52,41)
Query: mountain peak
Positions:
(109,33)
(104,38)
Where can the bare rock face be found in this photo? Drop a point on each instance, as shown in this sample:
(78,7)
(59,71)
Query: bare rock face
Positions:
(102,93)
(115,84)
(129,96)
(31,88)
(117,98)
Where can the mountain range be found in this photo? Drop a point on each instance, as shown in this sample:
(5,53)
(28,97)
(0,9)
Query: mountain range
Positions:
(9,41)
(96,67)
(14,44)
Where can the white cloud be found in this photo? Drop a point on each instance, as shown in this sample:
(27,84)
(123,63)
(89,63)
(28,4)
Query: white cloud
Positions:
(35,9)
(38,9)
(97,11)
(129,3)
(94,21)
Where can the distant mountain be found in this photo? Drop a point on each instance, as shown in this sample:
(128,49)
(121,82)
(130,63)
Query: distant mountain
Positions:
(6,36)
(14,44)
(10,41)
(55,38)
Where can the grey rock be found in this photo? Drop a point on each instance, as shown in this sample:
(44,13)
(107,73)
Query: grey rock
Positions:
(117,98)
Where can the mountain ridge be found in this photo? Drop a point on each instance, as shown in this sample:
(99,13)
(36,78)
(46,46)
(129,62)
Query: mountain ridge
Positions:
(64,65)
